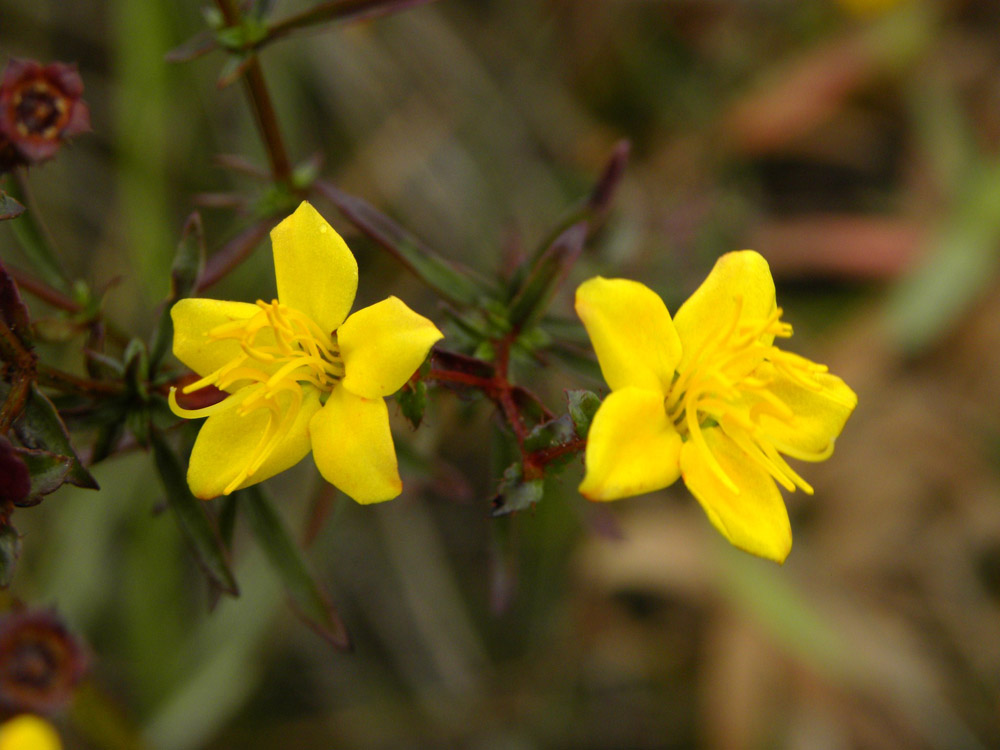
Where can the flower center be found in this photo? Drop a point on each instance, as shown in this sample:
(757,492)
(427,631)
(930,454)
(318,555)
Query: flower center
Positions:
(40,110)
(282,352)
(727,386)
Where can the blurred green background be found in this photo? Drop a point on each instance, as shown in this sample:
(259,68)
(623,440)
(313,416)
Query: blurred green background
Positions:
(854,144)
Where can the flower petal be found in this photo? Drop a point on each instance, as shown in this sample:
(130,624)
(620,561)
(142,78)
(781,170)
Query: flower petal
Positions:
(755,519)
(632,447)
(818,416)
(353,447)
(228,440)
(315,271)
(382,345)
(739,284)
(631,331)
(193,318)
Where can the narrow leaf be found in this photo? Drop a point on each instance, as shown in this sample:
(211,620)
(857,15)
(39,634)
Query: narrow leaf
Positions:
(308,599)
(448,280)
(200,44)
(37,245)
(340,10)
(546,276)
(189,261)
(196,527)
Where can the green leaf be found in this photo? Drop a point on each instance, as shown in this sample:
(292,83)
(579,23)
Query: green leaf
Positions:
(48,470)
(10,551)
(308,600)
(9,208)
(195,524)
(189,262)
(515,493)
(40,426)
(340,10)
(582,408)
(200,44)
(37,245)
(450,281)
(545,276)
(412,400)
(549,434)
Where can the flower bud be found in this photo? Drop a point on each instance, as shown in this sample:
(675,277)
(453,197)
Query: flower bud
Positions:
(40,107)
(41,662)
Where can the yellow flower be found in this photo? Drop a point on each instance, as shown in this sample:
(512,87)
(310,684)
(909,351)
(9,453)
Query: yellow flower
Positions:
(27,732)
(299,374)
(708,396)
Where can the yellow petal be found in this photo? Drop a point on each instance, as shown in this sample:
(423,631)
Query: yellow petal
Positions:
(740,283)
(27,732)
(315,270)
(632,447)
(353,447)
(228,441)
(818,416)
(755,519)
(631,331)
(193,319)
(382,345)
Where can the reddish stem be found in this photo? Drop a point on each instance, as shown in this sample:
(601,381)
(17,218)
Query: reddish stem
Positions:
(43,291)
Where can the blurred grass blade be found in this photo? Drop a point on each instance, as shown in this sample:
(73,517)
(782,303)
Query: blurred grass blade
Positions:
(189,262)
(342,11)
(308,600)
(448,280)
(546,276)
(40,426)
(926,304)
(35,241)
(197,529)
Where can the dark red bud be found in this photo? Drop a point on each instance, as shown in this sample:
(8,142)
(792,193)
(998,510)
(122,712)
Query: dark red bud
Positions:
(40,107)
(41,662)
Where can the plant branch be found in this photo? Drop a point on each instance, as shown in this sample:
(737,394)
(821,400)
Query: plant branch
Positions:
(260,102)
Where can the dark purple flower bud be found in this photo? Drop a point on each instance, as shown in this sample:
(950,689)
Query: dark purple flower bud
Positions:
(41,662)
(15,481)
(40,107)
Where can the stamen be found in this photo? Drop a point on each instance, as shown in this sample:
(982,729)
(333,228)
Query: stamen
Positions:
(281,351)
(726,386)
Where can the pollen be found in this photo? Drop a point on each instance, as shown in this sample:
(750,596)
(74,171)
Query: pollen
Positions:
(282,352)
(727,386)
